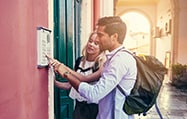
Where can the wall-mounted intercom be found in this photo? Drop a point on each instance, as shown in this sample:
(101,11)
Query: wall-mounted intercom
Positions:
(44,44)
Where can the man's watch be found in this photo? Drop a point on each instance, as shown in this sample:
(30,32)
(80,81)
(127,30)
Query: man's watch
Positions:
(66,74)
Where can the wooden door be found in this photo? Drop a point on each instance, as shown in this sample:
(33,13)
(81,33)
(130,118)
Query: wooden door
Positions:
(66,49)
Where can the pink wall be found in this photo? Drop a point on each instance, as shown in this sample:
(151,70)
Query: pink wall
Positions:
(96,11)
(23,87)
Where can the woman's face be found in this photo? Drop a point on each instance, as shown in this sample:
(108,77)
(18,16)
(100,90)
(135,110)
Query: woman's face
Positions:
(92,46)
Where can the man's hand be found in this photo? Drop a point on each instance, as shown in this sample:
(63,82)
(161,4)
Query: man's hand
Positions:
(58,67)
(54,63)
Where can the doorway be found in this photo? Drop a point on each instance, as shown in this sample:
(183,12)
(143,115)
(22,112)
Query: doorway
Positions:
(138,33)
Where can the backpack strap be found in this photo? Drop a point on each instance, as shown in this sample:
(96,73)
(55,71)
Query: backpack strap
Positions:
(158,111)
(118,86)
(121,49)
(121,90)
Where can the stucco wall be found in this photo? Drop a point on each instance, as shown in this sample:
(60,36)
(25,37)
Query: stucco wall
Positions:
(176,42)
(182,36)
(86,21)
(23,87)
(163,43)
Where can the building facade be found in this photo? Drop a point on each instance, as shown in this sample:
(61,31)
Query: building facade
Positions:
(27,92)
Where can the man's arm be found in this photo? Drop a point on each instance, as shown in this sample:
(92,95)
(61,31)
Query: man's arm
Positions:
(73,77)
(69,76)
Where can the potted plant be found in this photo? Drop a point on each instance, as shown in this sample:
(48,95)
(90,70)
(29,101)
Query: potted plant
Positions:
(179,75)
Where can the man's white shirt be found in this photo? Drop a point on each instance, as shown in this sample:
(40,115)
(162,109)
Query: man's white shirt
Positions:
(120,69)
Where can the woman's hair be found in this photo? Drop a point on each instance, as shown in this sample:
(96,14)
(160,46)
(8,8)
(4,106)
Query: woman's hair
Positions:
(99,60)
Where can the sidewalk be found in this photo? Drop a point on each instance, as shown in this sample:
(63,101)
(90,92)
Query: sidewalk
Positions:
(172,104)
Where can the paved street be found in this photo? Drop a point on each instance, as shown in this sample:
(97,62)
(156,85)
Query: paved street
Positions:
(172,103)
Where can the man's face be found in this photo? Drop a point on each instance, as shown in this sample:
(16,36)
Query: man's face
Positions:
(103,39)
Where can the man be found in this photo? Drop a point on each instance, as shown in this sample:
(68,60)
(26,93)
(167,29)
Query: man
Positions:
(119,69)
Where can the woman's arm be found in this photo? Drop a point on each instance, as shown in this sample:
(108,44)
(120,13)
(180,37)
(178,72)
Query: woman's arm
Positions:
(62,85)
(72,76)
(89,78)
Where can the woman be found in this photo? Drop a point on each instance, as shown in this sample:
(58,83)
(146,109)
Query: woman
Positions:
(91,60)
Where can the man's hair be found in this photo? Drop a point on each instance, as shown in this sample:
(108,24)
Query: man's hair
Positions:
(113,24)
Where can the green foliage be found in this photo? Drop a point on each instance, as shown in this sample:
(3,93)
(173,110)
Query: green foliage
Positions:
(178,70)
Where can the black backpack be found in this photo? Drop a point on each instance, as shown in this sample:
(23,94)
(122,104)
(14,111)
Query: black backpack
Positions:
(150,75)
